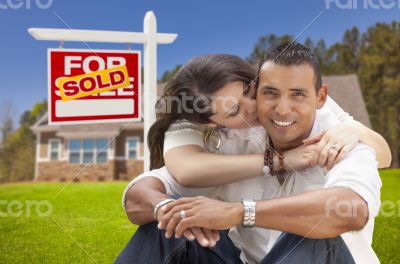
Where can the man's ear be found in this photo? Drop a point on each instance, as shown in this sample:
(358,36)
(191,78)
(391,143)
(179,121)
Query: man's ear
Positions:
(322,95)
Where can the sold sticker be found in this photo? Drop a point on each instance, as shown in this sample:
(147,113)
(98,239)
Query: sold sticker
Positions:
(93,83)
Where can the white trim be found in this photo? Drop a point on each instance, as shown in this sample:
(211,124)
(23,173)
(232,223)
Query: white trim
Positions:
(98,35)
(123,158)
(37,155)
(137,148)
(49,148)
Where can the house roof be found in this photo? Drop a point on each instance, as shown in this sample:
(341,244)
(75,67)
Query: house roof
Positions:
(344,89)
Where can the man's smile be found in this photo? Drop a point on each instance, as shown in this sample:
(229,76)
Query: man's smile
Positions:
(283,123)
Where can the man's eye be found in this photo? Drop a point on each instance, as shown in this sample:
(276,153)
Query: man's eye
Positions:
(268,92)
(298,94)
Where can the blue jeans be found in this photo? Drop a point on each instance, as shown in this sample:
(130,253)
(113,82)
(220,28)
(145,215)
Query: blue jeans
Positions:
(149,245)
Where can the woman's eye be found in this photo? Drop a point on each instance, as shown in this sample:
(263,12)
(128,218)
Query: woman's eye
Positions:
(233,115)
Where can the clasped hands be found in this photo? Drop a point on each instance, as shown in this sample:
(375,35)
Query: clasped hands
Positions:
(203,217)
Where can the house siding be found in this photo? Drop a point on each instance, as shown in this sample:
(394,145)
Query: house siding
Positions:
(44,144)
(120,150)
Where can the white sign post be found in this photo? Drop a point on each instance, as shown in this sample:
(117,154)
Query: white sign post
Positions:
(149,38)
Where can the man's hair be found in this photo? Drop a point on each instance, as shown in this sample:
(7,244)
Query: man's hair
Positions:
(293,54)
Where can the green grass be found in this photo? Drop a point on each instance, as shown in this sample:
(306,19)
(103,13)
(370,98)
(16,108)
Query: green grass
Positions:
(387,228)
(88,224)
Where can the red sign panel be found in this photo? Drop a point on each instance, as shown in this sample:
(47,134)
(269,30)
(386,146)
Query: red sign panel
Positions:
(122,104)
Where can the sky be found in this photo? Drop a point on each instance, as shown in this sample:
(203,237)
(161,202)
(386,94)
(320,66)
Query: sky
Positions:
(203,27)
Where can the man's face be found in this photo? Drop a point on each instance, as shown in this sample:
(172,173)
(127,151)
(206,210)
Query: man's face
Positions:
(287,102)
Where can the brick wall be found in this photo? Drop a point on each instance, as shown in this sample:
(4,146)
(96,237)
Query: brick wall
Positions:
(64,171)
(113,170)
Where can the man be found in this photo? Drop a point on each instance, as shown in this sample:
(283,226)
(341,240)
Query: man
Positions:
(317,209)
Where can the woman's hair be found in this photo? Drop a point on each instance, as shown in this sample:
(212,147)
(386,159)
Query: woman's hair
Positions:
(189,95)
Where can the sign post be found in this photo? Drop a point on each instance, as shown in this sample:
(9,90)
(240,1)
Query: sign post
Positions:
(149,38)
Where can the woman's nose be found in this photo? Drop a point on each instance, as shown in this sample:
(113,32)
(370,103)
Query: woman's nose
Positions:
(250,106)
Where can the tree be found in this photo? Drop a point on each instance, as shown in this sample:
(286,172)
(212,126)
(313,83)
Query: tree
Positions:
(379,77)
(17,156)
(343,58)
(6,119)
(169,74)
(264,43)
(320,51)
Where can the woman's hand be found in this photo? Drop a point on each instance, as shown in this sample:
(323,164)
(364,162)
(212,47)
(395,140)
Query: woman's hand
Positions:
(201,212)
(302,157)
(335,143)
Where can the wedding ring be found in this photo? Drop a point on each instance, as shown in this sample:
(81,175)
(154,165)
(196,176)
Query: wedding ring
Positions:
(335,147)
(183,214)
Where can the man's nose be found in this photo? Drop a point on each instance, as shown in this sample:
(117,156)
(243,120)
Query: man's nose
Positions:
(283,107)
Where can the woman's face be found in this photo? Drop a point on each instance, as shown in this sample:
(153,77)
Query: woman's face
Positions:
(234,106)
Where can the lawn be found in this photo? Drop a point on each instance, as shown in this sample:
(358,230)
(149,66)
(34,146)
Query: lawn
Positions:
(87,223)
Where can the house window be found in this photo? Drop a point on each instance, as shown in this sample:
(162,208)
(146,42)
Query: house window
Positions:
(54,149)
(132,147)
(74,151)
(101,150)
(88,151)
(84,151)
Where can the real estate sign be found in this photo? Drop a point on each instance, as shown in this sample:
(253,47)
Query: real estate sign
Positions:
(89,86)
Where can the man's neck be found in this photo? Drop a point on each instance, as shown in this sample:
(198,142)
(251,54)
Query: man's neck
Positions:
(284,146)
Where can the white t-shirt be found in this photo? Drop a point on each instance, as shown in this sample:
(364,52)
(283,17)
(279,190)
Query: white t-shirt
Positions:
(358,171)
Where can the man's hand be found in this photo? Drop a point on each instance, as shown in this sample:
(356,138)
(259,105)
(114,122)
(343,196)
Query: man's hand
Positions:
(204,236)
(200,212)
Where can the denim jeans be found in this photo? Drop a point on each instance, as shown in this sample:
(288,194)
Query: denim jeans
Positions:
(149,245)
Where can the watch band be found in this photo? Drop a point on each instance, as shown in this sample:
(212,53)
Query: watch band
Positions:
(249,212)
(159,205)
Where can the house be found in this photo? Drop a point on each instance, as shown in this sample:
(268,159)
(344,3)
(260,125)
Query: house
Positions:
(114,151)
(90,152)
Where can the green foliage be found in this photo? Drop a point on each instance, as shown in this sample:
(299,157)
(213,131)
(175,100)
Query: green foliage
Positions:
(263,44)
(169,74)
(379,70)
(17,154)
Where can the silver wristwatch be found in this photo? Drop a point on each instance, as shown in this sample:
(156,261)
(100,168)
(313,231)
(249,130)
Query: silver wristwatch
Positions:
(249,212)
